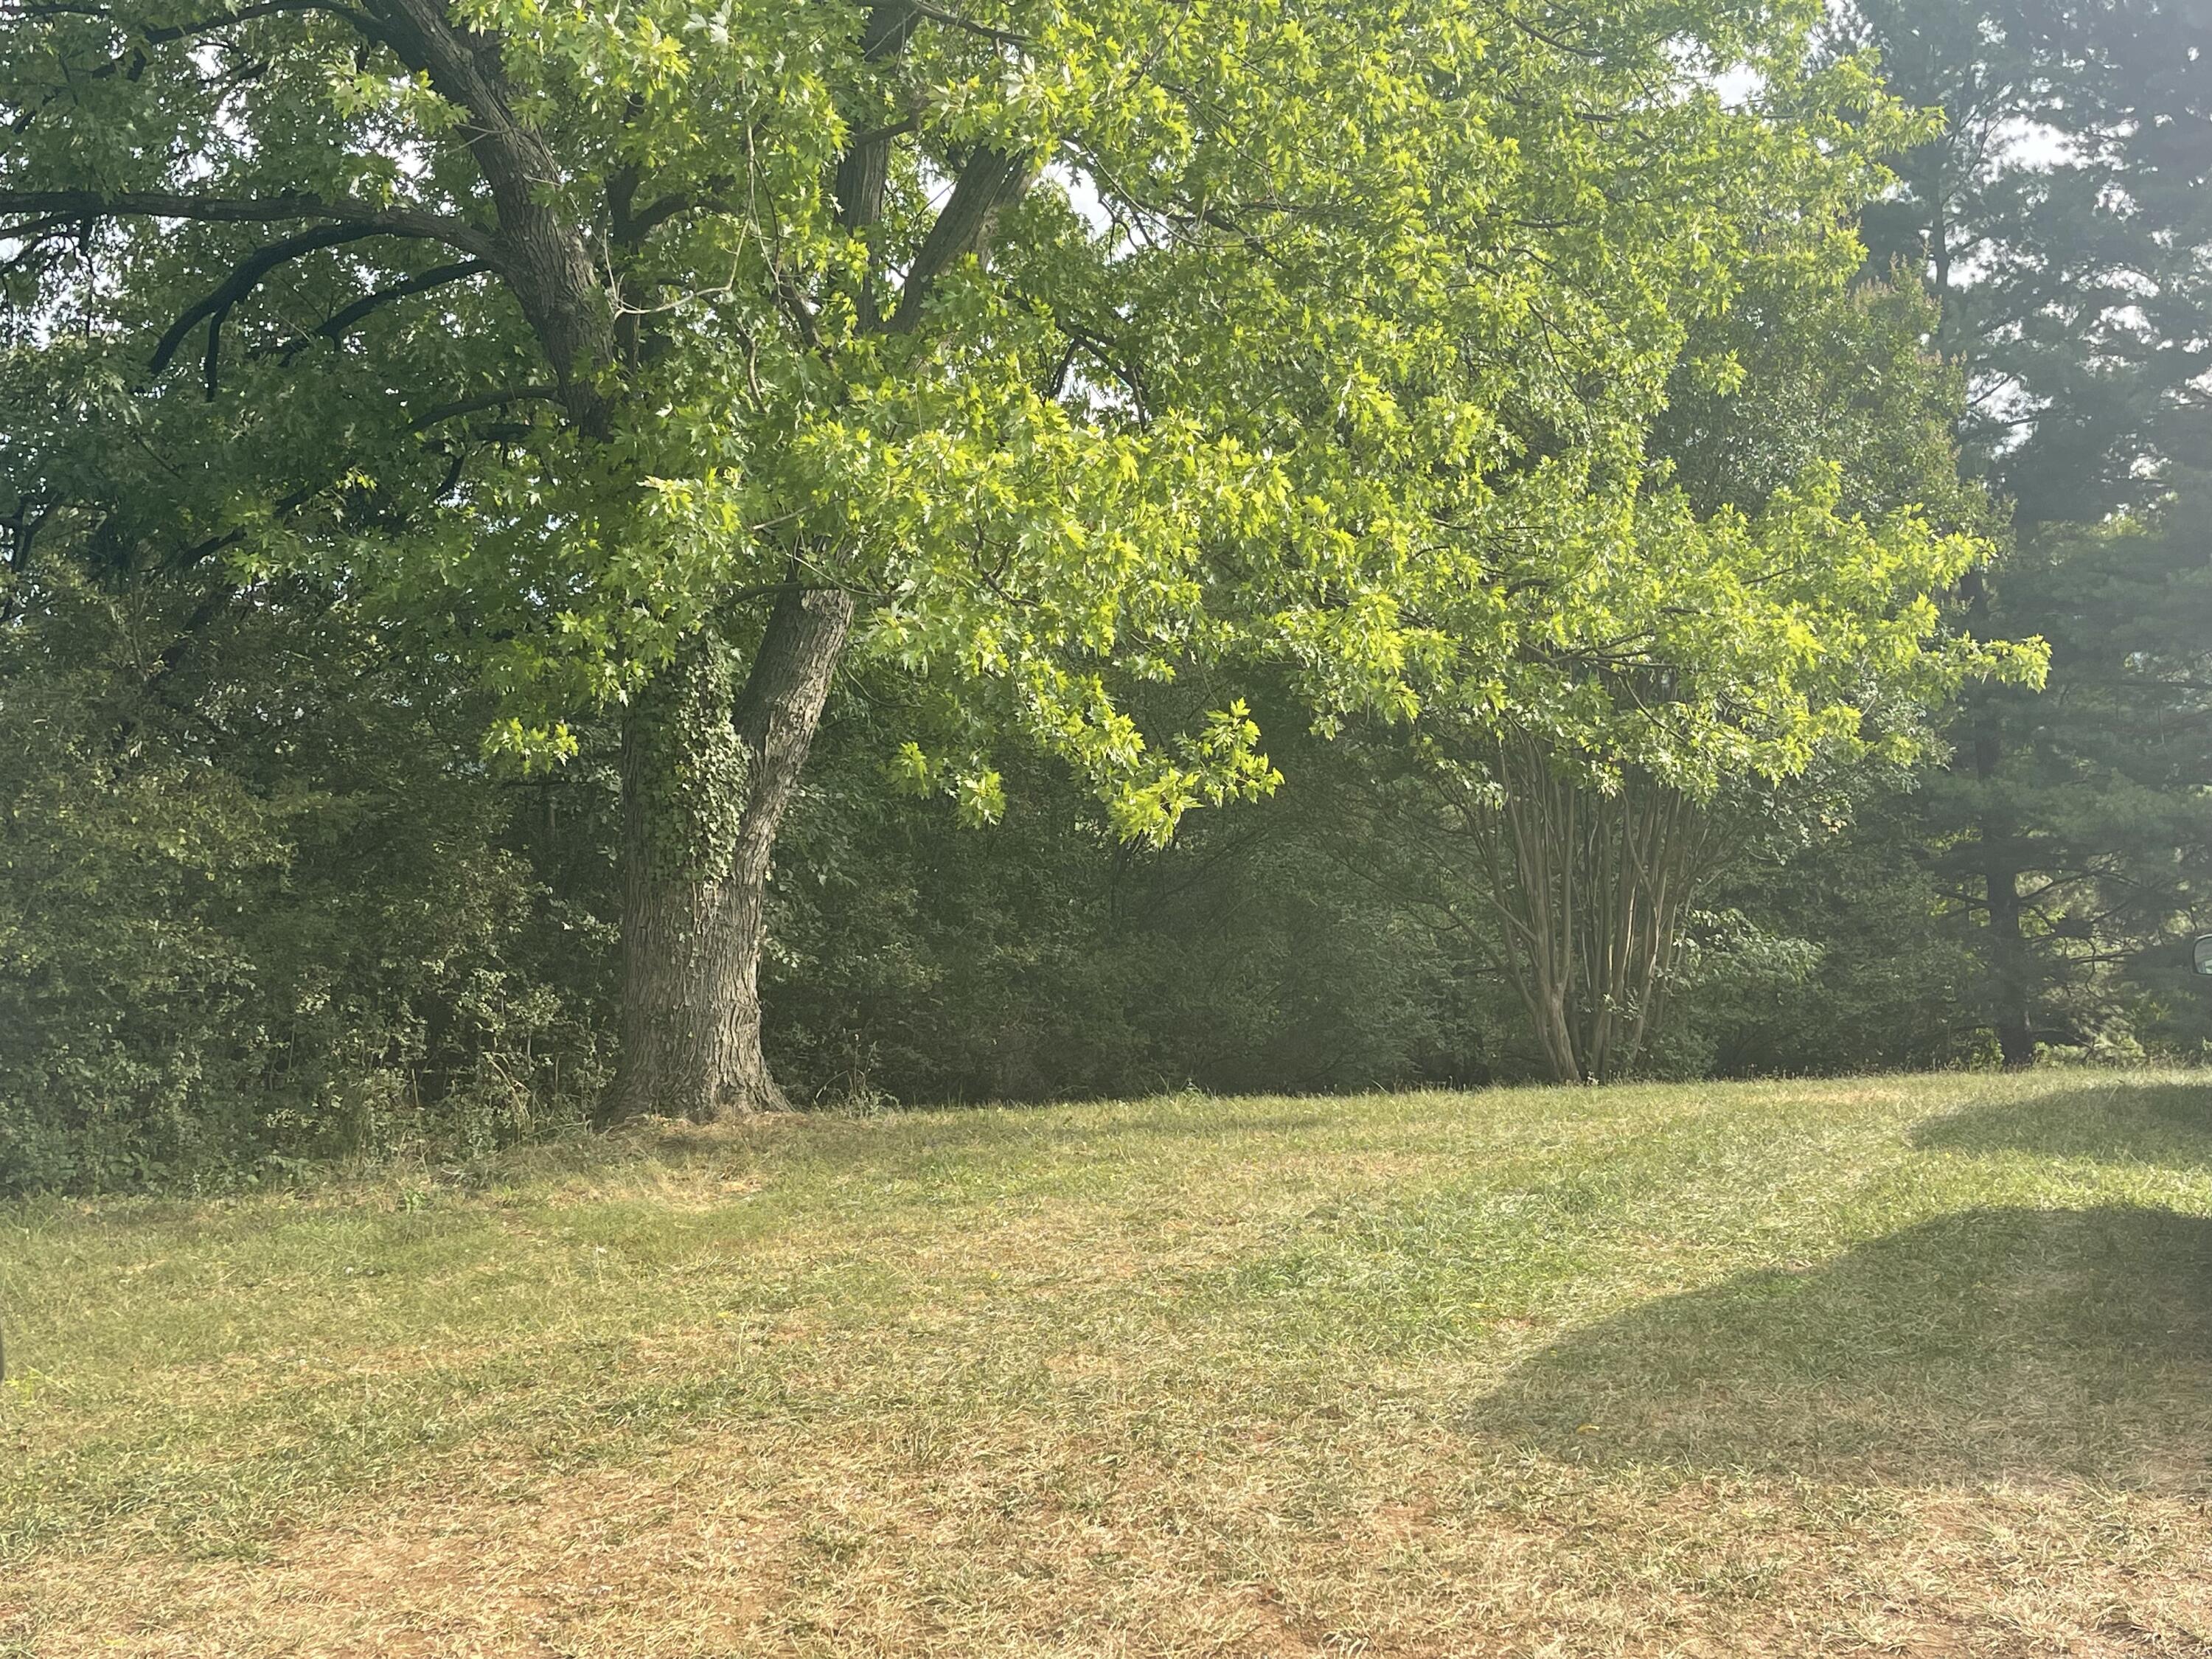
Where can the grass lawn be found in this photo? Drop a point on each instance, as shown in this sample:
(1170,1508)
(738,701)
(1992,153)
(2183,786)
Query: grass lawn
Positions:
(1898,1365)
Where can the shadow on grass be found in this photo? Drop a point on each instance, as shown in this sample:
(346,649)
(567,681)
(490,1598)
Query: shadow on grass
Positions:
(2114,1122)
(2003,1342)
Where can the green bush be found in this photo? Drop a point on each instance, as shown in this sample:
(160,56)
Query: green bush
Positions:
(252,919)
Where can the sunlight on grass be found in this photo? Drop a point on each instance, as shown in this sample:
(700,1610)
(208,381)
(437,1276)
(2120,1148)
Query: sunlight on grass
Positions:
(1916,1365)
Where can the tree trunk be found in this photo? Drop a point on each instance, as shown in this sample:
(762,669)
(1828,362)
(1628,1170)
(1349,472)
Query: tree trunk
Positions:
(2012,1017)
(707,775)
(2011,996)
(1589,890)
(2011,999)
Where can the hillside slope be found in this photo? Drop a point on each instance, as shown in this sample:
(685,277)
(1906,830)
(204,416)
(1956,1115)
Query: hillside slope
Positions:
(1903,1365)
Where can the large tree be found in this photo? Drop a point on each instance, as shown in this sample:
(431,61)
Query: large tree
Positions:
(657,359)
(2062,215)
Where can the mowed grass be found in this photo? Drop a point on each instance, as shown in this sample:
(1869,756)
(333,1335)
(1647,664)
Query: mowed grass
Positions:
(1898,1365)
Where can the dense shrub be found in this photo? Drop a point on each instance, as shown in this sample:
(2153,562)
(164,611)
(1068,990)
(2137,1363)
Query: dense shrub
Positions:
(261,908)
(255,907)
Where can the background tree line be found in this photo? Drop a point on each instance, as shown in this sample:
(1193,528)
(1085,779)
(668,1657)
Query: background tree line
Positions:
(1686,739)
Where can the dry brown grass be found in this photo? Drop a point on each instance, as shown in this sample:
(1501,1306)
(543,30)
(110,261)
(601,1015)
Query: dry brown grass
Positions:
(1919,1367)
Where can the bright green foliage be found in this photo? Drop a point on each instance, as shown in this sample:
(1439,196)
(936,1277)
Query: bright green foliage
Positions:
(1741,647)
(1822,946)
(1838,383)
(1131,367)
(1322,334)
(1760,594)
(1769,633)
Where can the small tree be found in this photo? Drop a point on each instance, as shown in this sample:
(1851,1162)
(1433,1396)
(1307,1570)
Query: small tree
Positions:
(1589,884)
(1597,807)
(1761,615)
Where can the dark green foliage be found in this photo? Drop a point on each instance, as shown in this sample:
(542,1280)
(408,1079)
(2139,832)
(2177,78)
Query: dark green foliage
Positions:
(1042,957)
(2097,797)
(1846,378)
(2064,220)
(253,910)
(1827,957)
(263,902)
(688,746)
(1822,948)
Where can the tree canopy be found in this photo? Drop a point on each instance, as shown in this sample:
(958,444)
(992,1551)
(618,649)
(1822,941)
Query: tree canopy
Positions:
(1081,380)
(2061,217)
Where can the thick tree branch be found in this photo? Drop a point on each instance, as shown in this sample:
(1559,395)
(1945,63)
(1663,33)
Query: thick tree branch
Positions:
(482,400)
(249,210)
(542,255)
(889,26)
(32,238)
(865,166)
(997,37)
(163,33)
(344,322)
(635,225)
(242,281)
(993,182)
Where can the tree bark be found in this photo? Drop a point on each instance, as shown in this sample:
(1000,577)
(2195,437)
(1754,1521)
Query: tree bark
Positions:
(707,772)
(708,769)
(707,777)
(2011,1009)
(1590,891)
(2012,1016)
(540,251)
(2009,974)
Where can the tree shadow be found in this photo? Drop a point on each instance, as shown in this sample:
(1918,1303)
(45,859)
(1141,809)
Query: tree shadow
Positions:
(2001,1341)
(2120,1121)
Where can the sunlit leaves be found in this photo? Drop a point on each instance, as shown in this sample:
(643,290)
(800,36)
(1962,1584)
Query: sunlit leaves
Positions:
(1327,340)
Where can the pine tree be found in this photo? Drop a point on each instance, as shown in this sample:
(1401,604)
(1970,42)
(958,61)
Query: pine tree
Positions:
(2064,219)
